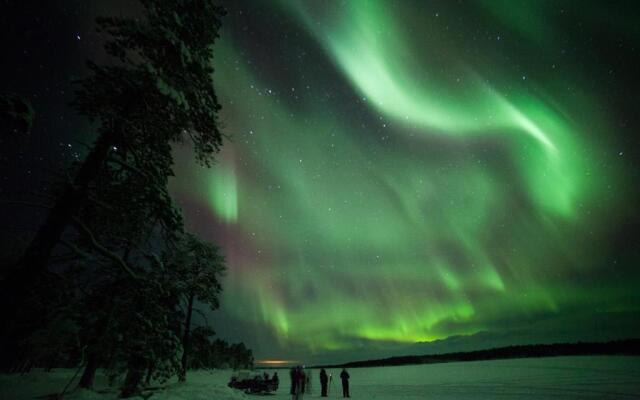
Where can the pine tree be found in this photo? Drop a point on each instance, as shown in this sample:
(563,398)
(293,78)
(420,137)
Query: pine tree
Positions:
(159,90)
(199,266)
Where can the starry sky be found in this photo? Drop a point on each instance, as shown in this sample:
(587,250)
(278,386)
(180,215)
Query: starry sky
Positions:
(406,176)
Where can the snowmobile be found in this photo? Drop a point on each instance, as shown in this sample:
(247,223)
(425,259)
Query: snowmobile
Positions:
(253,383)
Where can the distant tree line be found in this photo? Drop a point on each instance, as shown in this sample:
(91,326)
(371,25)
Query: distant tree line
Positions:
(210,353)
(629,347)
(112,279)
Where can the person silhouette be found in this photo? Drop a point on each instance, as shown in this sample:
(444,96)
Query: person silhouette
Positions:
(302,382)
(324,379)
(293,374)
(344,376)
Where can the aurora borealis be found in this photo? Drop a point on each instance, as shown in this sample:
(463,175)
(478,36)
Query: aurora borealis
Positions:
(402,172)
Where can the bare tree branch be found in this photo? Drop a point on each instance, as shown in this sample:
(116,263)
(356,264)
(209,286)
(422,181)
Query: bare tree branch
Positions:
(130,167)
(203,315)
(101,249)
(100,203)
(77,250)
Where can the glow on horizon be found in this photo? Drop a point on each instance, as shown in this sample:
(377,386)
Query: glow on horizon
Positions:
(433,206)
(278,363)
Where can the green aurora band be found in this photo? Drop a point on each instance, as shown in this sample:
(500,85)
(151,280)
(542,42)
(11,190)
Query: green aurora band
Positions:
(460,193)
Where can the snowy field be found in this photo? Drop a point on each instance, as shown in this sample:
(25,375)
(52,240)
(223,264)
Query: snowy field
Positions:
(545,378)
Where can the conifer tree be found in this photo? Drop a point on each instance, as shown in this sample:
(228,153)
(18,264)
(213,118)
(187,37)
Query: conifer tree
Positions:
(158,90)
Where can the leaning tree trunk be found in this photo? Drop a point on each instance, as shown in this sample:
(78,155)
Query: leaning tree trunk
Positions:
(186,338)
(16,287)
(89,373)
(69,203)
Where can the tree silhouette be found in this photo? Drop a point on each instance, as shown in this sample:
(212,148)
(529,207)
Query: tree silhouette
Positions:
(198,266)
(159,90)
(123,266)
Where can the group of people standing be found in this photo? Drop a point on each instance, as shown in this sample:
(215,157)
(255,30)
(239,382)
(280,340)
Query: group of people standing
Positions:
(301,382)
(326,381)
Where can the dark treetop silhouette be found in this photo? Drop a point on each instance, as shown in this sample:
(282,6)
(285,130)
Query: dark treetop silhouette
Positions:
(111,265)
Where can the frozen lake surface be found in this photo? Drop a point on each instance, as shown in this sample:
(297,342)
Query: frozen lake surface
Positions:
(539,378)
(533,378)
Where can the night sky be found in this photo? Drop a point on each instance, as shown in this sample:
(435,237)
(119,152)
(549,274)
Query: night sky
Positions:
(396,172)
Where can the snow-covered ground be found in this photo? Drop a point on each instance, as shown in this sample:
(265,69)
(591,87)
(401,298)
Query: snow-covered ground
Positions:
(201,385)
(543,378)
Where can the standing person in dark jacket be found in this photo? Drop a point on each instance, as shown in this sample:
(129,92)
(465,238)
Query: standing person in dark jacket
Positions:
(324,379)
(293,373)
(302,382)
(344,376)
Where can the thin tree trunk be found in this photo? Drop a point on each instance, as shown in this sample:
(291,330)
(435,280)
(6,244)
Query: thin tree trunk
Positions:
(37,254)
(26,367)
(150,370)
(134,377)
(89,373)
(186,338)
